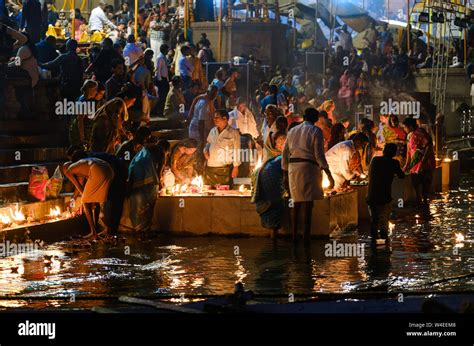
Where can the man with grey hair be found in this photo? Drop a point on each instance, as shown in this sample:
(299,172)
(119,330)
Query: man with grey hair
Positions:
(98,19)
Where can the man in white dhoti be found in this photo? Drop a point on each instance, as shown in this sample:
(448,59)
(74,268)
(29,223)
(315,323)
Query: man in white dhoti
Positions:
(344,160)
(302,161)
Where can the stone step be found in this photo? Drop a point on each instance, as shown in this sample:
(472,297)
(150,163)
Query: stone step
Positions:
(171,134)
(38,209)
(158,123)
(14,192)
(33,141)
(33,127)
(10,157)
(39,224)
(14,174)
(18,192)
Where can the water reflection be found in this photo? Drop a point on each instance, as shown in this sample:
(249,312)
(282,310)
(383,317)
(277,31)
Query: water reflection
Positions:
(423,249)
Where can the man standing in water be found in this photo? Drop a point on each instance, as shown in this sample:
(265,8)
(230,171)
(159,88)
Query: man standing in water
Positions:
(98,175)
(302,161)
(379,194)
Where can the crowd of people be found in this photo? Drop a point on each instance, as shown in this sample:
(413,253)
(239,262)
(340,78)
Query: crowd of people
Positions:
(301,135)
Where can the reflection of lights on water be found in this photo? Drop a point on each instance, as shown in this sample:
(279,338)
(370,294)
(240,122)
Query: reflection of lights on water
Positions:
(240,272)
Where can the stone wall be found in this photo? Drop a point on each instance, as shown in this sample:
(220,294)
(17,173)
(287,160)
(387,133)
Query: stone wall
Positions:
(235,215)
(266,41)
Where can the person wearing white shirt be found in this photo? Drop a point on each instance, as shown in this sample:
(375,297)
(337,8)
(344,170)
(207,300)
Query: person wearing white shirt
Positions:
(343,157)
(98,19)
(242,119)
(162,77)
(302,161)
(222,151)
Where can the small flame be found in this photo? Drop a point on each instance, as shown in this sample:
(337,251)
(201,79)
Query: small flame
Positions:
(241,189)
(391,226)
(198,181)
(54,212)
(5,219)
(363,176)
(17,214)
(459,237)
(326,182)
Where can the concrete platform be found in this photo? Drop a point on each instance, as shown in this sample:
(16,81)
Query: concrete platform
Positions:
(40,225)
(438,180)
(50,232)
(39,210)
(362,209)
(451,174)
(235,215)
(260,39)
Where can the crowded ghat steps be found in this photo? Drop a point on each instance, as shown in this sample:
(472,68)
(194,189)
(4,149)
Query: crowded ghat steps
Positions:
(43,141)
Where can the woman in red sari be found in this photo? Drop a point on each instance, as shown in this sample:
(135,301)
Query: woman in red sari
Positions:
(420,160)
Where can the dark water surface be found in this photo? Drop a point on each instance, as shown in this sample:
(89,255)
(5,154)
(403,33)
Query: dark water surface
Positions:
(423,251)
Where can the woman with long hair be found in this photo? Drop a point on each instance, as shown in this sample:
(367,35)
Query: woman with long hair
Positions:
(329,107)
(80,128)
(345,91)
(26,60)
(107,131)
(78,21)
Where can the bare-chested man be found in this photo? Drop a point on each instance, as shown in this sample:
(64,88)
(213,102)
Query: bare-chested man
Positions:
(97,175)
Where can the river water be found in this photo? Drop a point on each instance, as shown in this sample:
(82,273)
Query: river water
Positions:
(423,256)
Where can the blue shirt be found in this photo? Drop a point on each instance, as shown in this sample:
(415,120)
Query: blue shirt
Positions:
(268,100)
(185,67)
(219,84)
(290,89)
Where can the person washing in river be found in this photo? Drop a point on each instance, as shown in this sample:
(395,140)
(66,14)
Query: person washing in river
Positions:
(98,176)
(379,194)
(344,159)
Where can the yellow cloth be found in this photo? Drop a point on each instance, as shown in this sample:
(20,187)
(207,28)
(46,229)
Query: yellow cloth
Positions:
(85,37)
(97,36)
(55,31)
